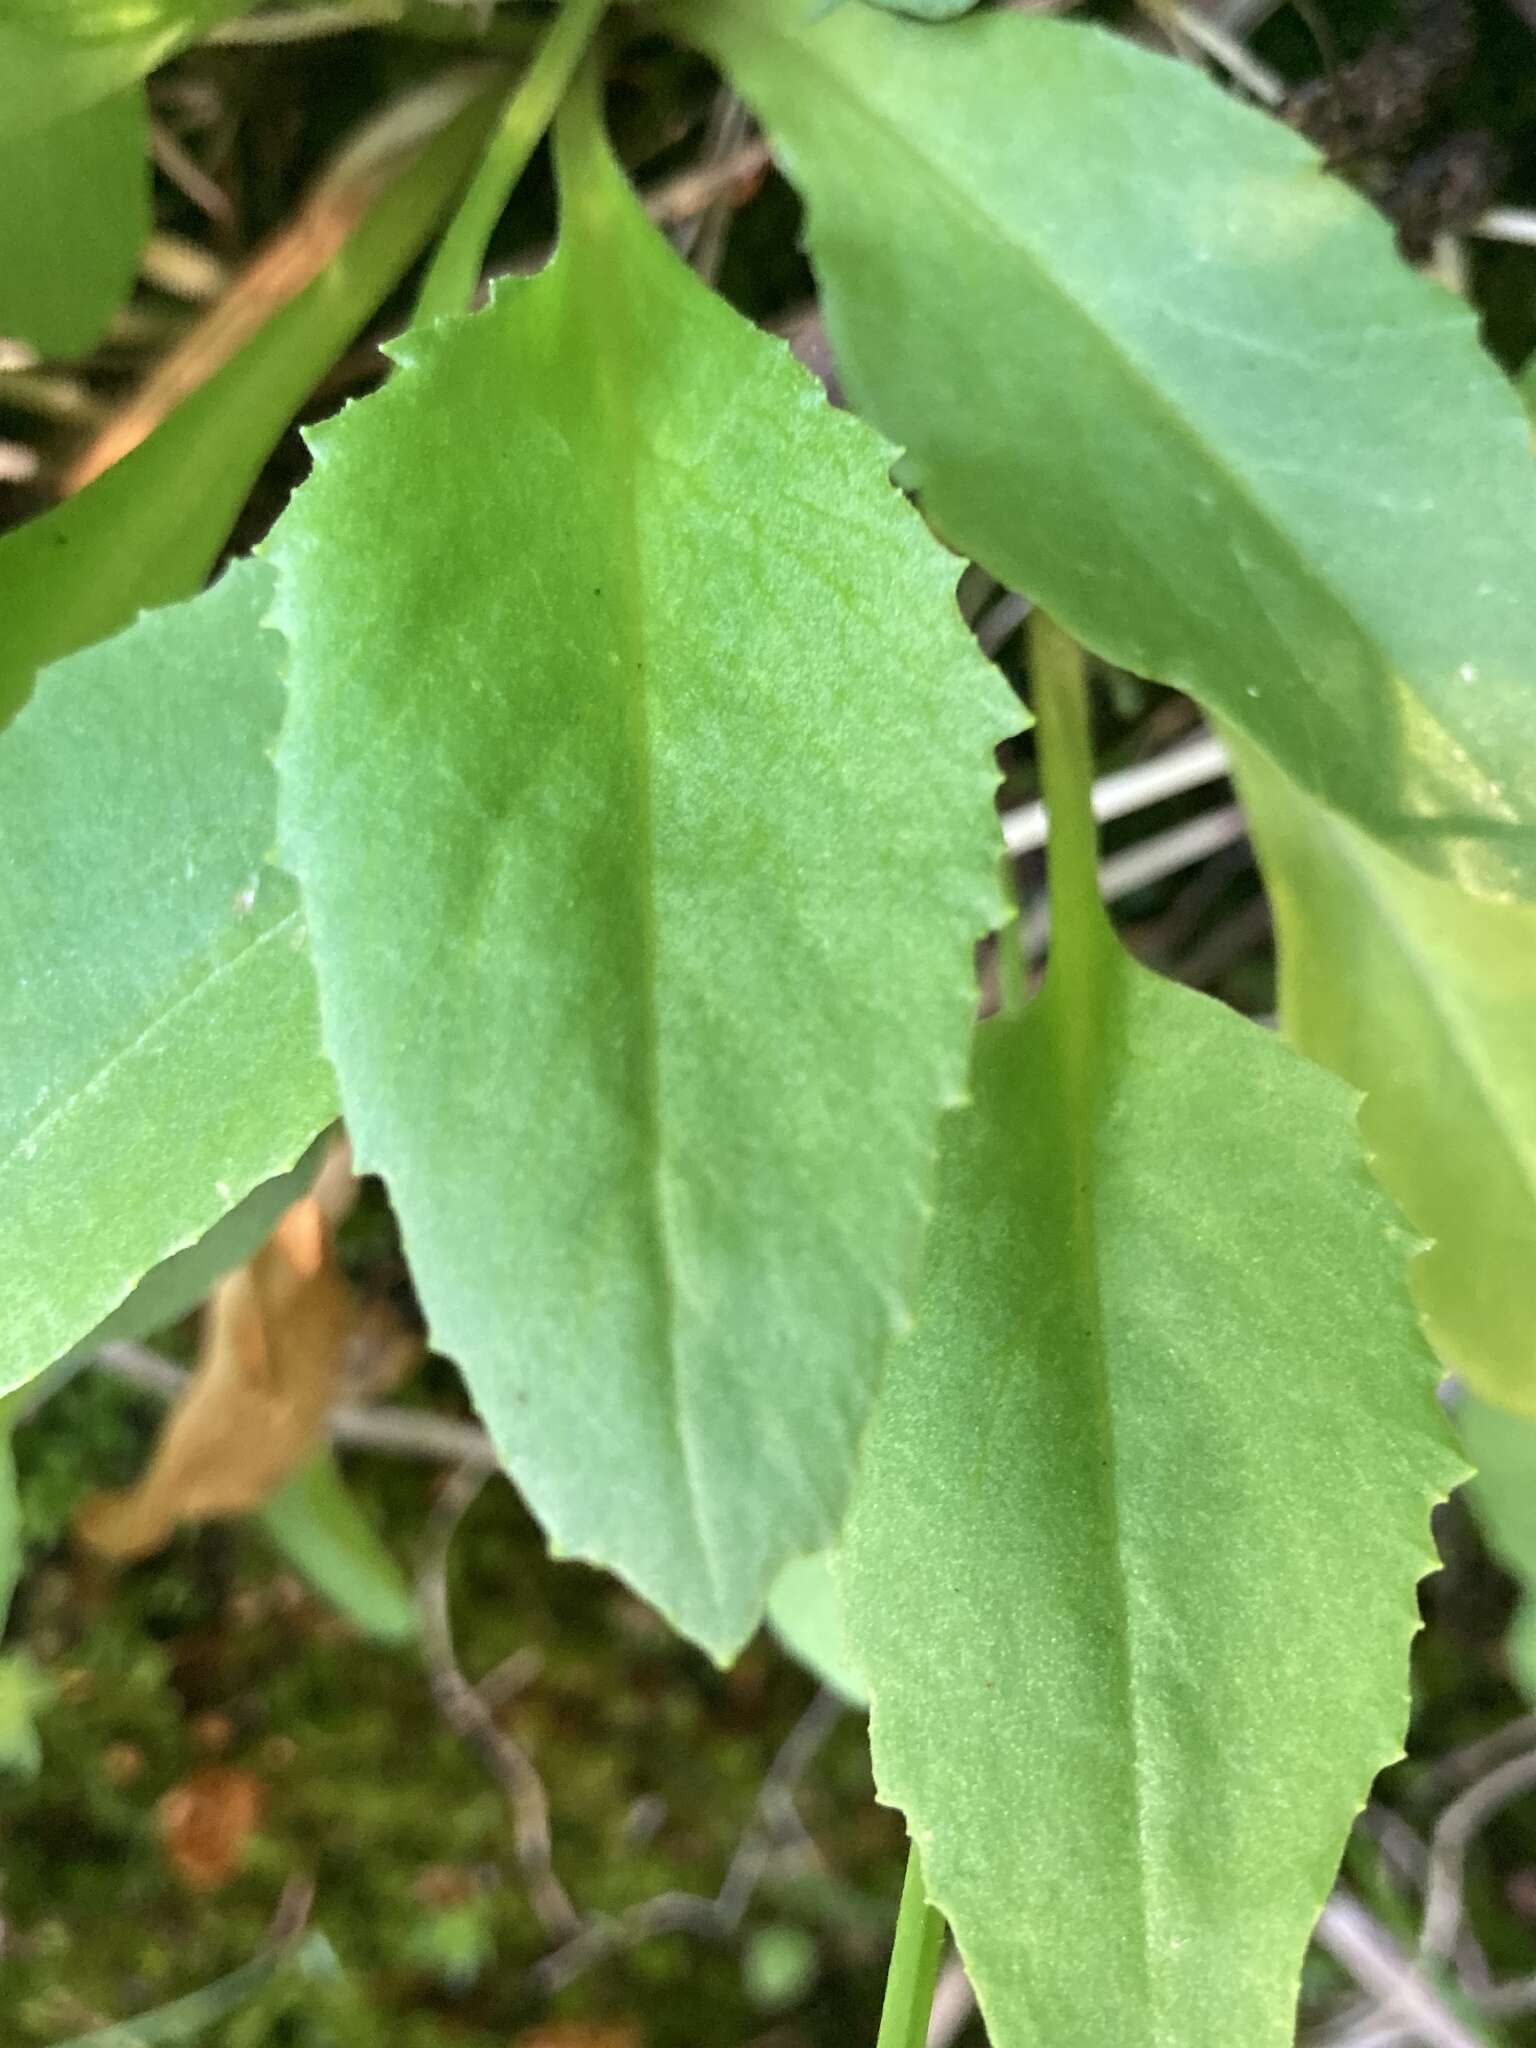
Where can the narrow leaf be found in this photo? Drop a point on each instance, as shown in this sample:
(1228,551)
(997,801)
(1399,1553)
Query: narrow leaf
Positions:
(1503,1448)
(188,2019)
(648,697)
(1424,998)
(158,1016)
(74,215)
(1159,370)
(321,1529)
(149,529)
(1130,1569)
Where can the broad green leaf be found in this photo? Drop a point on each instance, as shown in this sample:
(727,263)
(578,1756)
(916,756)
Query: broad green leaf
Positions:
(158,1016)
(1503,1448)
(1158,370)
(1130,1567)
(149,529)
(1426,999)
(58,57)
(176,1286)
(74,214)
(321,1529)
(648,698)
(804,1613)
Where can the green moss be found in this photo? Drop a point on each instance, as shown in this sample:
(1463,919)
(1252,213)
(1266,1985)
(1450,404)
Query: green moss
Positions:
(213,1652)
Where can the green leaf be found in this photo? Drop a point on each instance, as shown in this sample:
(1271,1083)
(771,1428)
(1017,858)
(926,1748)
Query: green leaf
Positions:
(923,10)
(649,699)
(149,529)
(1503,1448)
(19,1684)
(1159,371)
(1160,1450)
(58,57)
(804,1613)
(1424,998)
(321,1529)
(176,1286)
(23,1689)
(158,1015)
(74,215)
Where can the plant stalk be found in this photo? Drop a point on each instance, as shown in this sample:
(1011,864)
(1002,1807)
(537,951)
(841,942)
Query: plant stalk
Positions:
(914,1966)
(1059,692)
(454,272)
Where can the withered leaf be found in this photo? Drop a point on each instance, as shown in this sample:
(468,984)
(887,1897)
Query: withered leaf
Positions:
(284,1338)
(204,1823)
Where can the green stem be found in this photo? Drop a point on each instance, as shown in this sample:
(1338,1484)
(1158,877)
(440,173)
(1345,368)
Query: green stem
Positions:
(454,272)
(1079,922)
(914,1966)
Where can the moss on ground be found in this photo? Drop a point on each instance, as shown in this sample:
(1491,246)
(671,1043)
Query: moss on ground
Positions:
(214,1656)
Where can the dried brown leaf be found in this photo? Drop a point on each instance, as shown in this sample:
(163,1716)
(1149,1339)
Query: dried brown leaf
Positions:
(204,1823)
(283,1339)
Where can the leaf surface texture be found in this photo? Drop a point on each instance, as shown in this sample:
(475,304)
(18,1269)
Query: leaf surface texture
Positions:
(158,1012)
(1160,371)
(649,700)
(1130,1569)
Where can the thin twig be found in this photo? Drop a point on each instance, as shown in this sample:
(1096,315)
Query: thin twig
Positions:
(1474,1760)
(953,2004)
(1144,783)
(1149,860)
(1224,48)
(187,174)
(1360,1945)
(398,1432)
(466,1712)
(1506,224)
(701,237)
(717,1918)
(1459,1823)
(997,625)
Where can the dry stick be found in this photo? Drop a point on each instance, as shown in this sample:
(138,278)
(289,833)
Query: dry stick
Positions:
(718,1918)
(953,2003)
(1460,1821)
(1360,1945)
(398,1432)
(1475,1759)
(701,243)
(187,174)
(472,1720)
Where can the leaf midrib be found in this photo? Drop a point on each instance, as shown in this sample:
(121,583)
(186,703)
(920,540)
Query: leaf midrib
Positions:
(617,422)
(35,1128)
(1075,1018)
